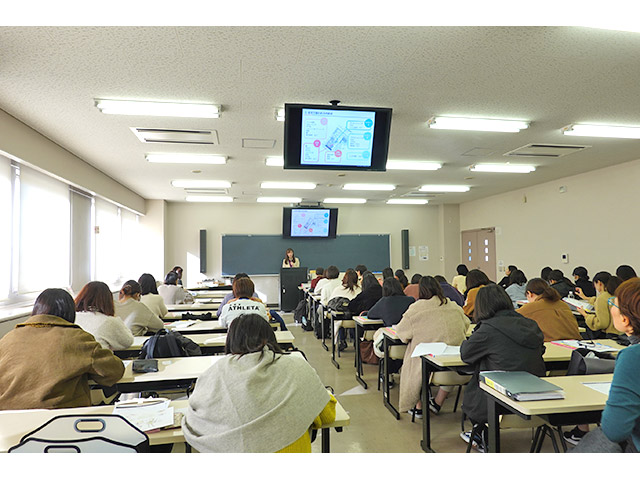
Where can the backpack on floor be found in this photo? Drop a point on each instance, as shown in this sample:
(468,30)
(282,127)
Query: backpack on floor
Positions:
(165,344)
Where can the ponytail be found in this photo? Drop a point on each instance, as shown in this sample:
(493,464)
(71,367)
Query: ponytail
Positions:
(539,287)
(129,289)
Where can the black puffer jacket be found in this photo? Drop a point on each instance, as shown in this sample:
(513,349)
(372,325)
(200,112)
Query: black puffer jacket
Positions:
(508,341)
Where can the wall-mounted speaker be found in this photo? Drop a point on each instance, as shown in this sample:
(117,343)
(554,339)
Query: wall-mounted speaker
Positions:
(405,248)
(203,251)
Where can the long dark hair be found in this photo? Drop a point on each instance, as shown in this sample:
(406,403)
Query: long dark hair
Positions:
(391,286)
(490,300)
(148,284)
(538,286)
(95,297)
(400,275)
(429,288)
(56,302)
(369,281)
(350,279)
(475,278)
(250,333)
(517,277)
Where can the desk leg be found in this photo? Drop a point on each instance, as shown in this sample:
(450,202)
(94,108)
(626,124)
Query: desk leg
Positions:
(359,372)
(426,413)
(493,419)
(322,320)
(326,447)
(333,343)
(385,392)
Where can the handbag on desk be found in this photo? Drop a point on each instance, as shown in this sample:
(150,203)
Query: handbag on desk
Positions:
(587,362)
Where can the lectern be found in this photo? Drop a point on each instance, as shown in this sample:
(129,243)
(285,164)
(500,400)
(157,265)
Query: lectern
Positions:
(290,280)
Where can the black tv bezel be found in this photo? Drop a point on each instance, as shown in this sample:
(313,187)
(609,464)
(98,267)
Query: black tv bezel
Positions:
(286,222)
(293,136)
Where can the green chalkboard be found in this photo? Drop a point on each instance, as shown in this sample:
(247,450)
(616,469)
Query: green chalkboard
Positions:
(263,254)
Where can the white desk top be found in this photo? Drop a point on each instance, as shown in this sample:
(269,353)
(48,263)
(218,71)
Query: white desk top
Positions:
(17,423)
(178,368)
(578,397)
(187,307)
(211,339)
(367,321)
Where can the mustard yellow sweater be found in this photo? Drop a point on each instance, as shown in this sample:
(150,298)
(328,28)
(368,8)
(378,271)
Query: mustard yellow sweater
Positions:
(303,444)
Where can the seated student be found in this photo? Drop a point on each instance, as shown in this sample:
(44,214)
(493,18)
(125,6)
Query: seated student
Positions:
(547,309)
(95,314)
(503,340)
(332,282)
(433,318)
(460,280)
(517,289)
(360,269)
(172,293)
(619,429)
(256,398)
(136,315)
(581,277)
(404,281)
(349,289)
(448,290)
(413,289)
(368,297)
(562,284)
(318,277)
(178,271)
(150,296)
(393,303)
(600,320)
(625,272)
(47,361)
(545,274)
(386,273)
(230,295)
(505,282)
(476,279)
(242,303)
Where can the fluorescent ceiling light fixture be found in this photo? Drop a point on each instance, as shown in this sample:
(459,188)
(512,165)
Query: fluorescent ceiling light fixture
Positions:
(345,200)
(368,186)
(208,198)
(185,158)
(289,185)
(274,162)
(477,124)
(158,109)
(630,26)
(412,165)
(445,188)
(407,201)
(601,131)
(502,168)
(279,200)
(280,114)
(201,183)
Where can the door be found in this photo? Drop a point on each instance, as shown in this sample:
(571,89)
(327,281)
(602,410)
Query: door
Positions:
(479,250)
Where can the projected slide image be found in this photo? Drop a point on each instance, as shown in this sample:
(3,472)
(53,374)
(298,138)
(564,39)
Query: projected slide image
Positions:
(337,137)
(309,223)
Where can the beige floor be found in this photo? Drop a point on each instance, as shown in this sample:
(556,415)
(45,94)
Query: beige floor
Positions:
(373,428)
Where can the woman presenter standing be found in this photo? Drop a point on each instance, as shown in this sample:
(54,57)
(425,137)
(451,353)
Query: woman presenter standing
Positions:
(290,260)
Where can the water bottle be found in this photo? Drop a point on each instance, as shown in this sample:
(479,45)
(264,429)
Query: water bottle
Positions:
(571,294)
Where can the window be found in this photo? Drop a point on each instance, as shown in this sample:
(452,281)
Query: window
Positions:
(6,190)
(108,234)
(81,239)
(130,252)
(45,230)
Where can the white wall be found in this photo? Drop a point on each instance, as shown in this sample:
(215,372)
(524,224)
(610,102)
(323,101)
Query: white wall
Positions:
(595,222)
(185,220)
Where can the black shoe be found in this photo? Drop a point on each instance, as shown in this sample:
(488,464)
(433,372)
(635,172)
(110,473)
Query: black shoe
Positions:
(574,436)
(342,345)
(434,407)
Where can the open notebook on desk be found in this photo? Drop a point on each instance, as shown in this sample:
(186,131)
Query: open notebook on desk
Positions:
(434,349)
(574,303)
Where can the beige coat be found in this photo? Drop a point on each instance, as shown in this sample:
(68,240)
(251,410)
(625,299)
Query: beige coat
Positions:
(426,321)
(47,362)
(601,319)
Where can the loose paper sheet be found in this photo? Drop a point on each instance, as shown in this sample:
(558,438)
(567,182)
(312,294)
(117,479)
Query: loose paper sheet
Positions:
(436,348)
(602,387)
(146,416)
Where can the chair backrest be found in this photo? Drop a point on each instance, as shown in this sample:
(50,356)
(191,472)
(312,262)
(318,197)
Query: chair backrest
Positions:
(84,434)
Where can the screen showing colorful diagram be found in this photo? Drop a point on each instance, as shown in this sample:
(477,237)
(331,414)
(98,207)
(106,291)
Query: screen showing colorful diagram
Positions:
(337,137)
(309,222)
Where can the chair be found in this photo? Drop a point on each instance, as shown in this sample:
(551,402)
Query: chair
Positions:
(84,434)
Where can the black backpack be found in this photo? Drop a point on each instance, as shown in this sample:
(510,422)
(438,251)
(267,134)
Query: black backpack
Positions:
(165,344)
(587,362)
(339,304)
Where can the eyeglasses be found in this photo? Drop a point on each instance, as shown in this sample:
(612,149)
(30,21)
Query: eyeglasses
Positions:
(611,303)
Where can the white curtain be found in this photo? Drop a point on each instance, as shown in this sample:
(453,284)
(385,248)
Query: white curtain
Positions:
(81,236)
(108,242)
(5,227)
(131,248)
(45,226)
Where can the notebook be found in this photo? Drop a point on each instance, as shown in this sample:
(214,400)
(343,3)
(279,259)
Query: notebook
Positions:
(521,386)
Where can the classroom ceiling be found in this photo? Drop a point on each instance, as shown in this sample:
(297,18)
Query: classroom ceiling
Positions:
(550,76)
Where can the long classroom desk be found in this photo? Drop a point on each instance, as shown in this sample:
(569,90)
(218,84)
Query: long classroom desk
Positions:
(581,404)
(17,423)
(187,307)
(363,324)
(189,327)
(555,357)
(209,343)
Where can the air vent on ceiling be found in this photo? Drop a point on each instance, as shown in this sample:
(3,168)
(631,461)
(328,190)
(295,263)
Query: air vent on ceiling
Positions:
(542,150)
(258,143)
(206,191)
(477,152)
(165,135)
(418,194)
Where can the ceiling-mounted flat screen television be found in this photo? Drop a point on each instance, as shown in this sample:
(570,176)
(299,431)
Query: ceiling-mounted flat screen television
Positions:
(335,137)
(309,222)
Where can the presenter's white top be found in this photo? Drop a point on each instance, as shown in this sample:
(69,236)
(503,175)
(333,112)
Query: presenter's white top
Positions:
(286,263)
